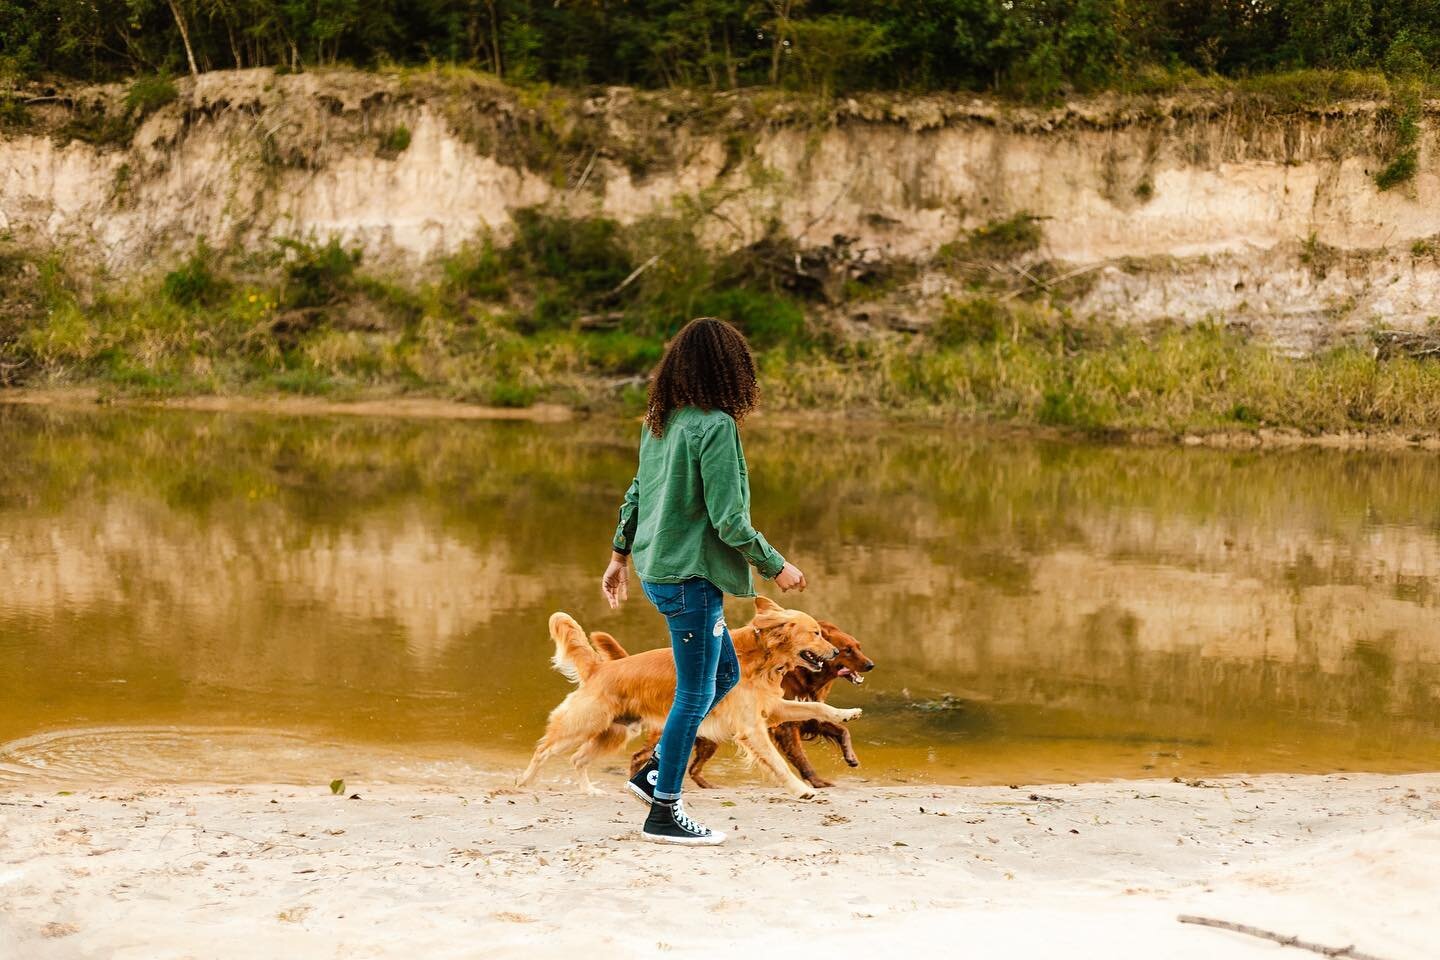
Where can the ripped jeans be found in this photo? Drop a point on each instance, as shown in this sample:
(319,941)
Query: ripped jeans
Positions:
(706,669)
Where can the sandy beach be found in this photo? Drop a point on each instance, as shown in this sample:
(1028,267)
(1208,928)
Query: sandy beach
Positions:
(1079,871)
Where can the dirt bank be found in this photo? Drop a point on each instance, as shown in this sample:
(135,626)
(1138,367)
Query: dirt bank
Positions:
(1206,204)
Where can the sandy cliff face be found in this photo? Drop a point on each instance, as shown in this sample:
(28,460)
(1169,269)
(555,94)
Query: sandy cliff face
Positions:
(1179,208)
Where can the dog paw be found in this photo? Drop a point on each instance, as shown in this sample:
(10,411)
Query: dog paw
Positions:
(853,761)
(821,783)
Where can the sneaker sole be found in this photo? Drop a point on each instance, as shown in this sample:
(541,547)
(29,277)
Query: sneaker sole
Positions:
(639,794)
(711,841)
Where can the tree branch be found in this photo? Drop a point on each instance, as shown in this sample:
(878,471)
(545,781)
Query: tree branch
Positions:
(1348,953)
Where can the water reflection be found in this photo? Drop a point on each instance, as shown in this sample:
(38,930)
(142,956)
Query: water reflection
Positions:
(1039,610)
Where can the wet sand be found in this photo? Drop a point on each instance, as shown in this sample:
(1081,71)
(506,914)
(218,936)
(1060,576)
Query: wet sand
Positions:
(1097,870)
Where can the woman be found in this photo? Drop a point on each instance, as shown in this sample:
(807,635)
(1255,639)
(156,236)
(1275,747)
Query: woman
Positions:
(686,520)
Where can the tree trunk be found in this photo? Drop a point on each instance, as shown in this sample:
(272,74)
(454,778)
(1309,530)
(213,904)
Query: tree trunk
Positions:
(730,69)
(184,36)
(495,38)
(234,49)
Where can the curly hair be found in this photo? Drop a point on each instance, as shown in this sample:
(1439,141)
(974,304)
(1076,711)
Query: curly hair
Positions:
(708,365)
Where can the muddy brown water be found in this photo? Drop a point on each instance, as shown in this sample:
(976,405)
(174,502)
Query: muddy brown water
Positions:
(227,597)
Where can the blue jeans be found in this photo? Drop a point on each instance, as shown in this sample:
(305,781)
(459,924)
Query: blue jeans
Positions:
(706,669)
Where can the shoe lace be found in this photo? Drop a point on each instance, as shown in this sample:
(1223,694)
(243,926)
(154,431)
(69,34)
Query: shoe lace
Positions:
(683,819)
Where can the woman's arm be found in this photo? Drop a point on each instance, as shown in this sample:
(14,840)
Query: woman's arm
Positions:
(624,537)
(727,495)
(615,583)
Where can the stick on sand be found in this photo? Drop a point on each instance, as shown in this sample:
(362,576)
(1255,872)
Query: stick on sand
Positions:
(1350,953)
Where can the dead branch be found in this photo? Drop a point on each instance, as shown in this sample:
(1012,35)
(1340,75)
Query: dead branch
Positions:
(1414,344)
(580,184)
(633,274)
(600,321)
(1349,953)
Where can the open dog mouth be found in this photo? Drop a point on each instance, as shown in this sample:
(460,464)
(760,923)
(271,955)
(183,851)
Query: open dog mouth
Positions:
(812,661)
(851,675)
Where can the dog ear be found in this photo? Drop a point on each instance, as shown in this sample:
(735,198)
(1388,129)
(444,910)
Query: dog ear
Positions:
(769,614)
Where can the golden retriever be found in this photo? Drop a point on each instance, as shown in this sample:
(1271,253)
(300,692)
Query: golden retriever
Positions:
(850,662)
(596,718)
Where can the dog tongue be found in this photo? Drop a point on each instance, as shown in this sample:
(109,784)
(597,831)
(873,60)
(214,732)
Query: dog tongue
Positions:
(844,672)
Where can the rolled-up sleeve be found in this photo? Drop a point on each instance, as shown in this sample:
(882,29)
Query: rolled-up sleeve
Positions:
(624,537)
(727,498)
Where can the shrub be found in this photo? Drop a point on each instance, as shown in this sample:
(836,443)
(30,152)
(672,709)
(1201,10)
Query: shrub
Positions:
(195,282)
(477,271)
(1397,171)
(148,94)
(393,142)
(317,276)
(584,255)
(980,320)
(618,352)
(997,240)
(767,320)
(13,112)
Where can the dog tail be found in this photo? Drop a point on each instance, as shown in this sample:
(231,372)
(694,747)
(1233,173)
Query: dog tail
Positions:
(607,646)
(574,657)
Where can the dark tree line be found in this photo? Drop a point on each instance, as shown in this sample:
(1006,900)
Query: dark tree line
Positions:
(1038,47)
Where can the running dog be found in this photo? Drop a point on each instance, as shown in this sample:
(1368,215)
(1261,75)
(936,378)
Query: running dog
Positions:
(596,718)
(850,663)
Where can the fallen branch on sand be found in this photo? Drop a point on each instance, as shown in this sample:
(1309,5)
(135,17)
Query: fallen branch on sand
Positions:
(1350,953)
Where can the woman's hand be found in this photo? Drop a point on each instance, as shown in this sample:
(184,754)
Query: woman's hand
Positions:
(615,584)
(790,578)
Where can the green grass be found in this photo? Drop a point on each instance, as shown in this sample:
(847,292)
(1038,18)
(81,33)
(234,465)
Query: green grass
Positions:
(1037,367)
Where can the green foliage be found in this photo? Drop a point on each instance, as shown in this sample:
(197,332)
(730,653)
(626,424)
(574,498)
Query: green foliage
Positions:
(477,271)
(148,94)
(315,275)
(570,263)
(1397,171)
(510,393)
(13,112)
(583,254)
(1040,49)
(978,320)
(619,352)
(766,319)
(997,240)
(195,282)
(1407,69)
(834,51)
(394,142)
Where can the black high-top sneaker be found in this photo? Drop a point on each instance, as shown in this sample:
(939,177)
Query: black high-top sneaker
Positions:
(668,823)
(642,785)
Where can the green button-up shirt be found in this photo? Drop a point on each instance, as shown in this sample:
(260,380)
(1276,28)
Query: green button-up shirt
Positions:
(687,512)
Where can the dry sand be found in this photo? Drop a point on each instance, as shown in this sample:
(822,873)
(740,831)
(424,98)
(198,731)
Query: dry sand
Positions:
(1089,871)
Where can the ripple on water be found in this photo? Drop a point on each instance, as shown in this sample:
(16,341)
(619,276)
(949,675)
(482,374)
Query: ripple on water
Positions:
(93,756)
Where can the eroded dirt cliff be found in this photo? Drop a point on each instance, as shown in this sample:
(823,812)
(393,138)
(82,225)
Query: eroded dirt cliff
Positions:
(1189,207)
